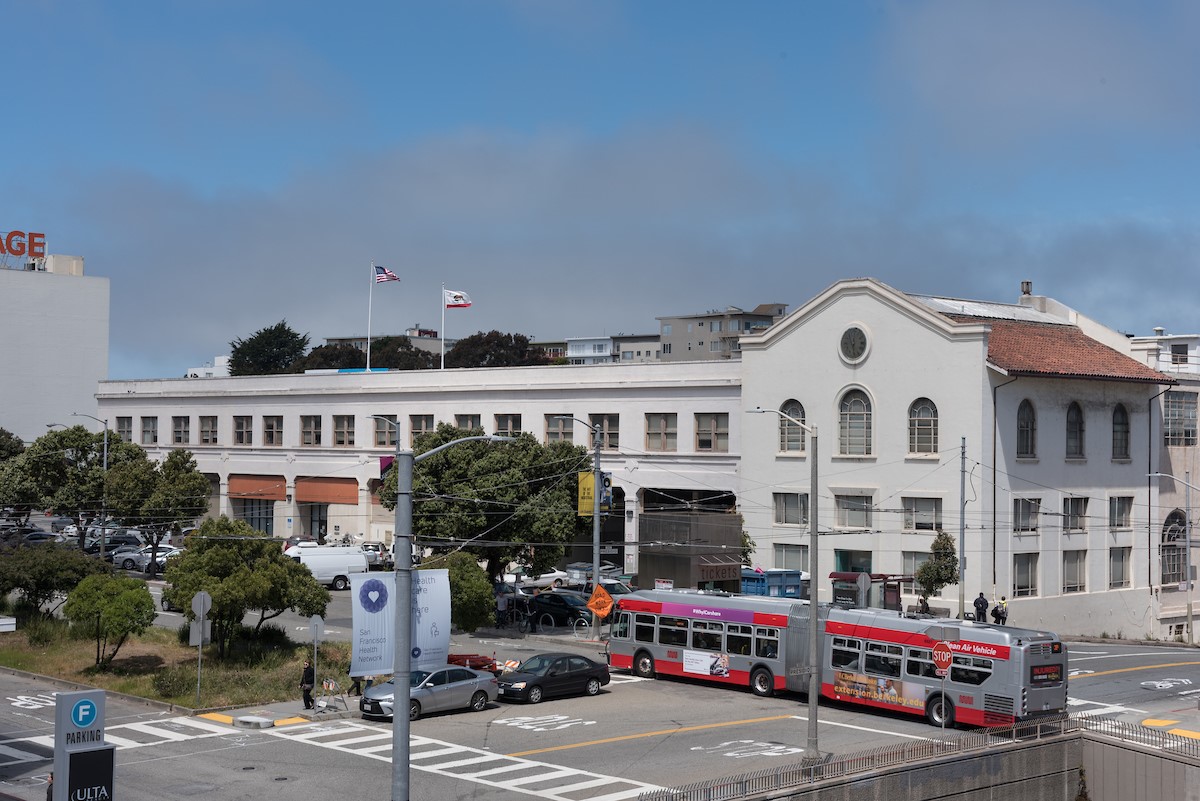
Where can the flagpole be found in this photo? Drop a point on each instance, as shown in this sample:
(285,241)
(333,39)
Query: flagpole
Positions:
(443,326)
(370,299)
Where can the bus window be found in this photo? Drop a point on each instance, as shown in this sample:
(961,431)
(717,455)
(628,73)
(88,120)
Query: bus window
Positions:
(643,628)
(672,631)
(970,670)
(846,653)
(621,629)
(883,659)
(737,639)
(706,635)
(766,643)
(920,663)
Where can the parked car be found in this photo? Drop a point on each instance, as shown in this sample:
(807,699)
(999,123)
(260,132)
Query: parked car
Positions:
(550,675)
(39,536)
(378,556)
(560,608)
(438,690)
(142,558)
(122,555)
(59,522)
(555,578)
(127,537)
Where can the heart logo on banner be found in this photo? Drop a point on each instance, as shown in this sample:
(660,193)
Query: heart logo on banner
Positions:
(373,596)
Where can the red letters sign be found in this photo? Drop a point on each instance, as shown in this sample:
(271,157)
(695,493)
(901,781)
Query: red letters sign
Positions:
(19,243)
(942,657)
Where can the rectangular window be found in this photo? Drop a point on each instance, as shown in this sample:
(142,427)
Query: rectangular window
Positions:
(708,635)
(560,428)
(853,511)
(149,430)
(508,425)
(766,642)
(666,347)
(208,430)
(1179,354)
(846,654)
(913,560)
(791,557)
(610,431)
(243,430)
(1025,514)
(1074,571)
(672,630)
(627,355)
(125,428)
(273,430)
(181,430)
(1120,512)
(468,422)
(1075,515)
(385,430)
(260,514)
(343,430)
(661,433)
(712,432)
(666,329)
(791,508)
(420,424)
(643,628)
(1025,574)
(1179,418)
(852,561)
(1118,567)
(883,659)
(738,638)
(922,514)
(310,429)
(714,346)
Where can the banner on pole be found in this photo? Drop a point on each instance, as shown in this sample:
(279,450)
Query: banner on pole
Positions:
(430,618)
(373,605)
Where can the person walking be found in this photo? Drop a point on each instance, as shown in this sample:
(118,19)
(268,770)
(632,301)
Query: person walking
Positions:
(355,686)
(307,679)
(981,607)
(501,609)
(1000,611)
(50,787)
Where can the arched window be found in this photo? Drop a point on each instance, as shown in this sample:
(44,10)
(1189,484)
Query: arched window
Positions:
(791,436)
(1074,431)
(855,424)
(1026,430)
(1172,553)
(922,426)
(1120,432)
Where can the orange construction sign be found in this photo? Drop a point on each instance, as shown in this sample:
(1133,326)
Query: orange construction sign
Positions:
(601,602)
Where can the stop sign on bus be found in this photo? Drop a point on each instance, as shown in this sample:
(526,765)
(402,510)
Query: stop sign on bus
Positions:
(942,656)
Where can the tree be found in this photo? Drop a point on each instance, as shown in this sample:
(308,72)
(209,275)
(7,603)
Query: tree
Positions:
(494,349)
(42,573)
(243,571)
(330,357)
(941,569)
(10,445)
(269,351)
(499,502)
(181,495)
(399,353)
(472,602)
(113,607)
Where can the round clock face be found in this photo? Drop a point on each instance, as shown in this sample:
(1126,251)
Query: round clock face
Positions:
(854,343)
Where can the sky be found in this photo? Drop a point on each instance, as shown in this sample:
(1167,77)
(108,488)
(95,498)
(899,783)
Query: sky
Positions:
(581,168)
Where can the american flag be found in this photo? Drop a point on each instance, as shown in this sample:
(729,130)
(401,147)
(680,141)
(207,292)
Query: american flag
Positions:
(384,274)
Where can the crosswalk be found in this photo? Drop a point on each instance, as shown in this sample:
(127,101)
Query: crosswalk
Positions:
(123,736)
(540,779)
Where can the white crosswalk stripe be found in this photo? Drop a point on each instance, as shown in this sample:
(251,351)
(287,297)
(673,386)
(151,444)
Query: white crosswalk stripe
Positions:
(123,736)
(540,779)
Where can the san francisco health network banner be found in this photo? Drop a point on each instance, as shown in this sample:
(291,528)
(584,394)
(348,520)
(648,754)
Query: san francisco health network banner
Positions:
(373,604)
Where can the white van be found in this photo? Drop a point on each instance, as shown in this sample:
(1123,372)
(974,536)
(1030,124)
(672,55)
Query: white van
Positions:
(330,565)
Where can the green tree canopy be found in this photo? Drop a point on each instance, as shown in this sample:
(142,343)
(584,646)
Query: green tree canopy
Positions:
(330,357)
(499,502)
(268,351)
(472,601)
(494,349)
(42,574)
(243,571)
(10,445)
(113,607)
(399,353)
(941,569)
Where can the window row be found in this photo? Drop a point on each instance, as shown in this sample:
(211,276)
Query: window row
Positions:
(710,430)
(1075,441)
(1027,514)
(1074,571)
(856,426)
(889,661)
(737,639)
(856,511)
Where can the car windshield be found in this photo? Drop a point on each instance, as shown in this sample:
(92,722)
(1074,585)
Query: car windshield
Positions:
(417,677)
(537,665)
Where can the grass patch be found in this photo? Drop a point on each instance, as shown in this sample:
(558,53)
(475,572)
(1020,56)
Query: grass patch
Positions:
(158,666)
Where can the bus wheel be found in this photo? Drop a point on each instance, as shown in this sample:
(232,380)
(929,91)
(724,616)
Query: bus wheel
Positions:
(762,683)
(939,711)
(643,665)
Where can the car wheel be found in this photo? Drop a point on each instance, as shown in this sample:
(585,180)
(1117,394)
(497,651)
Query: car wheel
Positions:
(593,686)
(761,682)
(535,695)
(557,583)
(127,564)
(479,701)
(340,583)
(414,710)
(643,665)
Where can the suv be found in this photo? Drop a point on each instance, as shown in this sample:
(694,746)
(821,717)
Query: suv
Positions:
(111,542)
(378,556)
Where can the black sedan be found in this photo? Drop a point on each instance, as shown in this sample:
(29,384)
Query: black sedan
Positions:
(549,675)
(560,608)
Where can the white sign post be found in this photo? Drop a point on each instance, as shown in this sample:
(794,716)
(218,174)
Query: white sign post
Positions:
(200,631)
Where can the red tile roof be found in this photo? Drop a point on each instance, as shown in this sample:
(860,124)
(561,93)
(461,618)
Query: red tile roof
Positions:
(1061,351)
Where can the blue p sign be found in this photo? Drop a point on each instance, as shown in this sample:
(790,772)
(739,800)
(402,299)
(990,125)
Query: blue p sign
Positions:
(83,714)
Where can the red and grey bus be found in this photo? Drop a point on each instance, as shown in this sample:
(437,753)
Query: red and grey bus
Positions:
(998,675)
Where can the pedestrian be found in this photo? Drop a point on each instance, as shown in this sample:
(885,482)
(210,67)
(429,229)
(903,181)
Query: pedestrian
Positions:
(923,606)
(355,686)
(1001,611)
(501,609)
(307,679)
(50,787)
(981,608)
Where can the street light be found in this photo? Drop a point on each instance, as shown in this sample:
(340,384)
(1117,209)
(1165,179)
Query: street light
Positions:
(104,485)
(596,479)
(402,551)
(1187,529)
(814,620)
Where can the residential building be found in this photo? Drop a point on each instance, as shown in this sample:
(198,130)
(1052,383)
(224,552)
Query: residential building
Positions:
(713,334)
(636,348)
(590,350)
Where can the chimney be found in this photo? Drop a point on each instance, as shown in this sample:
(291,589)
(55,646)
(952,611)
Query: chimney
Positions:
(1026,287)
(1159,330)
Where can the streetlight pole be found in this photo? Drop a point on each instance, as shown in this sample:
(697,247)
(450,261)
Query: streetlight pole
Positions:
(814,620)
(597,477)
(104,485)
(402,633)
(1187,533)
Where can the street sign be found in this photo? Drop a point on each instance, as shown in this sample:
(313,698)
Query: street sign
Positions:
(316,627)
(942,657)
(201,603)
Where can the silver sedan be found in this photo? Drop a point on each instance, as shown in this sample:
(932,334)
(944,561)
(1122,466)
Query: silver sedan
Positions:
(437,690)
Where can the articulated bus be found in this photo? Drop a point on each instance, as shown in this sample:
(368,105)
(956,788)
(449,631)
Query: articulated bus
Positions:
(998,675)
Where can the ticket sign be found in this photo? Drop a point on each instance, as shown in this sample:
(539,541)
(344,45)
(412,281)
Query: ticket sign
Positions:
(83,762)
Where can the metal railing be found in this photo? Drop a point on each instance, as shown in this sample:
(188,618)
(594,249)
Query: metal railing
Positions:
(730,788)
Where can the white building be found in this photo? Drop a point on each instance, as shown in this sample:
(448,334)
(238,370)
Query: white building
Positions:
(54,332)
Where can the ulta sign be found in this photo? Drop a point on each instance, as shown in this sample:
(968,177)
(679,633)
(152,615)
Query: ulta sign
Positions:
(19,243)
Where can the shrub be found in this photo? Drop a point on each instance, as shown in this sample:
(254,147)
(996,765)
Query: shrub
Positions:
(173,682)
(41,631)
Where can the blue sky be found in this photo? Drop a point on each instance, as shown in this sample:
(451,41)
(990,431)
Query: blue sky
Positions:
(580,168)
